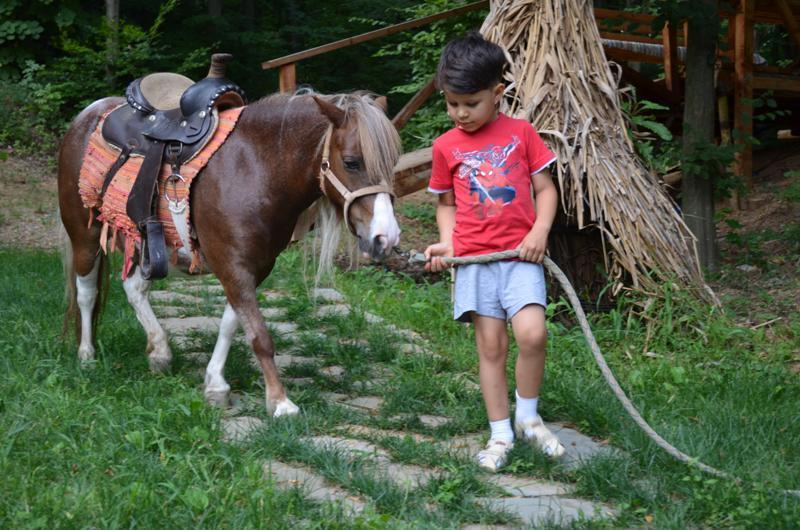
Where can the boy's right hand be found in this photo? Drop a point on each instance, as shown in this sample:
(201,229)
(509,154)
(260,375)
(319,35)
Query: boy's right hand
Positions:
(434,254)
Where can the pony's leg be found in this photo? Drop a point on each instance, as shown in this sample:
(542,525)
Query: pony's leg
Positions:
(278,404)
(217,390)
(86,293)
(159,355)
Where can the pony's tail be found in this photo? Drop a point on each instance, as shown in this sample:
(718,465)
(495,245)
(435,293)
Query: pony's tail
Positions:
(72,316)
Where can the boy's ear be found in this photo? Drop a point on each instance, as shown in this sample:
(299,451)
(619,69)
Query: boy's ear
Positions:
(498,92)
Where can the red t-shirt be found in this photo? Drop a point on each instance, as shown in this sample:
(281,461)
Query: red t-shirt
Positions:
(490,172)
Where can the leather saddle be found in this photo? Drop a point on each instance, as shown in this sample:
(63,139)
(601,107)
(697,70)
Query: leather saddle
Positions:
(168,118)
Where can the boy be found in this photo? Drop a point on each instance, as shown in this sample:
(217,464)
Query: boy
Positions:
(483,171)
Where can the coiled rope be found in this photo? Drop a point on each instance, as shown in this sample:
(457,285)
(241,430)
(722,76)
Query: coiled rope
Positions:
(598,357)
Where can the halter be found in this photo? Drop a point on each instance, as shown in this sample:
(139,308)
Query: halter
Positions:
(349,196)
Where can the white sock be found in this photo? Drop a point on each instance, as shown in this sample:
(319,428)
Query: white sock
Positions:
(501,430)
(526,408)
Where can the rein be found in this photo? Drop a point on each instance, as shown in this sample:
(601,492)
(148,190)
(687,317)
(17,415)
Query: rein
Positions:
(348,196)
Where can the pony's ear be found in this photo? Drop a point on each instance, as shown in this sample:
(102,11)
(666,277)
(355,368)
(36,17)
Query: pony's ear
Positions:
(382,102)
(334,113)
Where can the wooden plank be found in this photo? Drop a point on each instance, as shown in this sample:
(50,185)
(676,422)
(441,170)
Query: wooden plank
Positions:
(783,84)
(790,21)
(743,89)
(413,104)
(412,172)
(671,75)
(287,78)
(389,30)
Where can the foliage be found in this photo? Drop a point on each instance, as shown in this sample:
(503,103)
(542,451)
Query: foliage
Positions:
(652,140)
(422,52)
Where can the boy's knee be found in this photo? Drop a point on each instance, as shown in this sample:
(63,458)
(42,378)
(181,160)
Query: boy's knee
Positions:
(532,341)
(493,356)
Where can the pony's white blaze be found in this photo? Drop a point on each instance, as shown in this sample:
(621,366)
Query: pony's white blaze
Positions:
(217,390)
(159,355)
(86,296)
(384,225)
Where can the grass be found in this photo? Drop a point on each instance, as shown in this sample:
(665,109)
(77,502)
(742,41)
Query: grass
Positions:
(117,446)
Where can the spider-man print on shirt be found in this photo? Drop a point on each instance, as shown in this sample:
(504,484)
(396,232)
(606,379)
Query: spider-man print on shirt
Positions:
(486,172)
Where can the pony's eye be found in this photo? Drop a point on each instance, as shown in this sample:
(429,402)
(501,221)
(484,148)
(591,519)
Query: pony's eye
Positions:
(352,164)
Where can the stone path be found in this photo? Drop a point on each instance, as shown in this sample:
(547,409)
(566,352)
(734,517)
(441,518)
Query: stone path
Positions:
(531,501)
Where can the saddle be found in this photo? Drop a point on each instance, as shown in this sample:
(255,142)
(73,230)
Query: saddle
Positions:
(168,119)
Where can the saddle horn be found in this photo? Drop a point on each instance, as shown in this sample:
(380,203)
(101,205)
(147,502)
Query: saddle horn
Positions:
(219,63)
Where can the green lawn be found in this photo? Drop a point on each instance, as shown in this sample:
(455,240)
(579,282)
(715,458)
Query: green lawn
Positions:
(115,446)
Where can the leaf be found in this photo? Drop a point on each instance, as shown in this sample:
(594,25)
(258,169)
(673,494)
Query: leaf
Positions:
(195,498)
(657,128)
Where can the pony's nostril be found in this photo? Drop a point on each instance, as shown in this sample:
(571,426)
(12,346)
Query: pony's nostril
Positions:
(381,242)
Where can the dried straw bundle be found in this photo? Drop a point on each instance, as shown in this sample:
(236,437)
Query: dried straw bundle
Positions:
(561,82)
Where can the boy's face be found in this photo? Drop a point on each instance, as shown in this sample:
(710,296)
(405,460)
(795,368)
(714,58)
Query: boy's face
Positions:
(470,112)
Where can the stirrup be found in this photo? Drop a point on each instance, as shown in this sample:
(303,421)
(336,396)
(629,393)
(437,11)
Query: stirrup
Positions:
(153,256)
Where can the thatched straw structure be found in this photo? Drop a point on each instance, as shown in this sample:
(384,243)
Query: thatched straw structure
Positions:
(561,82)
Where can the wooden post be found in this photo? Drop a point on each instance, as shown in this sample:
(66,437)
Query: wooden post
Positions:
(743,89)
(671,75)
(287,80)
(413,105)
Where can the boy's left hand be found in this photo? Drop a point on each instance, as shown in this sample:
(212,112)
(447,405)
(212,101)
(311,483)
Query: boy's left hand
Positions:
(534,246)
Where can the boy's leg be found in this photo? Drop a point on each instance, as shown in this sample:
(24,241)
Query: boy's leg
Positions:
(491,339)
(530,333)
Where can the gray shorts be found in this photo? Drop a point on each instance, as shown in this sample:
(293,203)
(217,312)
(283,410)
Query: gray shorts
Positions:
(498,289)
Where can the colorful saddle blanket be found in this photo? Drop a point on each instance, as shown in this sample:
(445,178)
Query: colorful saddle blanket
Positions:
(98,158)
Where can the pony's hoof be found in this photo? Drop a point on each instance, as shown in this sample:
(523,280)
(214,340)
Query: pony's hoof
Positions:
(86,355)
(88,364)
(285,408)
(218,398)
(159,363)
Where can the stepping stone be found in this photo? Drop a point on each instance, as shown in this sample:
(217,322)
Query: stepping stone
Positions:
(366,386)
(282,328)
(169,296)
(528,487)
(239,428)
(272,296)
(362,343)
(284,361)
(406,476)
(467,445)
(299,381)
(334,397)
(372,318)
(434,421)
(333,372)
(579,447)
(486,527)
(198,357)
(272,312)
(180,326)
(167,311)
(540,510)
(328,295)
(369,403)
(332,310)
(317,488)
(363,430)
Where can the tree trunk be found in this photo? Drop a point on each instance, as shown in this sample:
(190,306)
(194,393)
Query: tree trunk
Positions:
(698,130)
(112,41)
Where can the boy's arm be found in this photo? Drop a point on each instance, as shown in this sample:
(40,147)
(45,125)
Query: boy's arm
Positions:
(534,245)
(446,220)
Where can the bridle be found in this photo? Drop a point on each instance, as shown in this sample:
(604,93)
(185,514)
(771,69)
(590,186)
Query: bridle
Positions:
(349,196)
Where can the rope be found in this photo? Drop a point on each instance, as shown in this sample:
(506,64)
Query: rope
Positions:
(601,362)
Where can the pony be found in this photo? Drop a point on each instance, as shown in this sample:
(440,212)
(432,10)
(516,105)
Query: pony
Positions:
(286,153)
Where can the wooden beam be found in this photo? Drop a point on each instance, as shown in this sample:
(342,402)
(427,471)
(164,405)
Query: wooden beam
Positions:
(789,20)
(412,172)
(618,54)
(671,75)
(743,89)
(390,30)
(413,104)
(628,37)
(287,78)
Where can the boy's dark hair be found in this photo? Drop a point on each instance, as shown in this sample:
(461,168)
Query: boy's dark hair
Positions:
(470,64)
